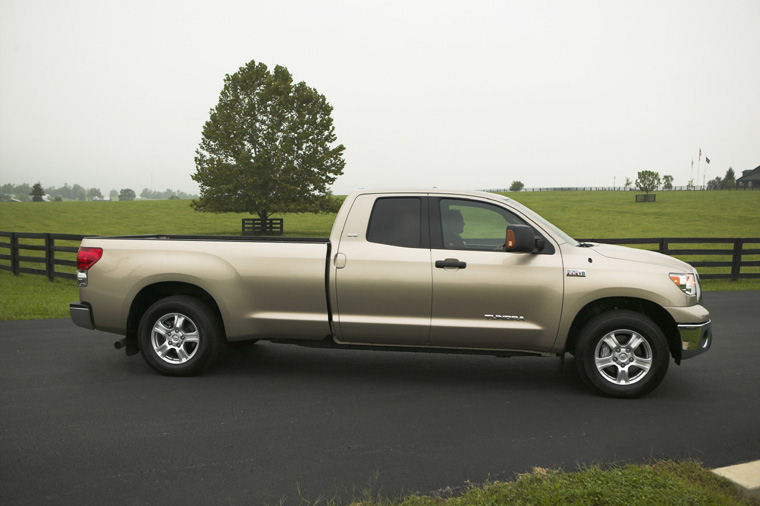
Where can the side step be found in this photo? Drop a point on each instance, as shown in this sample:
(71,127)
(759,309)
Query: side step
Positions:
(329,342)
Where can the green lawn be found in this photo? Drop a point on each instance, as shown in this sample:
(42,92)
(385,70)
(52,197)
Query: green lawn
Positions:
(31,297)
(581,214)
(675,214)
(140,217)
(661,483)
(664,482)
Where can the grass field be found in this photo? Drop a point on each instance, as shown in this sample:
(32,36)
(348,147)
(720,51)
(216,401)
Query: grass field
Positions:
(664,482)
(31,297)
(675,214)
(581,214)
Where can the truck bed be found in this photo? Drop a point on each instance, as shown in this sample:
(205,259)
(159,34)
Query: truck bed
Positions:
(263,286)
(238,238)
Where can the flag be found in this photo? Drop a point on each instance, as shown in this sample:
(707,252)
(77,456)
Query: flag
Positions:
(707,160)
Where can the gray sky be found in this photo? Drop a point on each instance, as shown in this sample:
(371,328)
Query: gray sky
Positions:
(456,94)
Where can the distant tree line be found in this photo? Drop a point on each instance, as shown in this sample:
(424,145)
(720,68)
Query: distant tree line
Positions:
(167,194)
(26,192)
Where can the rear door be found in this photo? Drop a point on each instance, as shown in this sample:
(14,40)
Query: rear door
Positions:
(484,297)
(383,272)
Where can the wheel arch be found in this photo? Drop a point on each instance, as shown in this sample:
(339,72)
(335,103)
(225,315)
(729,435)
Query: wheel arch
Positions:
(654,311)
(149,294)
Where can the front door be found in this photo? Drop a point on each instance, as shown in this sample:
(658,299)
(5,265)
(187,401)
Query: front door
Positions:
(484,297)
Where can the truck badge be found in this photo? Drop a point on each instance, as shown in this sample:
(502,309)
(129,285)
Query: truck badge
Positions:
(504,317)
(576,273)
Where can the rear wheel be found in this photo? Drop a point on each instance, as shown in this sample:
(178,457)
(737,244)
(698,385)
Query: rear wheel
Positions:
(179,335)
(622,354)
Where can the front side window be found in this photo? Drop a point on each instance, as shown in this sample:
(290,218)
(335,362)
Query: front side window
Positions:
(396,221)
(472,225)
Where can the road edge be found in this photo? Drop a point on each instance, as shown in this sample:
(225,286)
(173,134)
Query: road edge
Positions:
(745,476)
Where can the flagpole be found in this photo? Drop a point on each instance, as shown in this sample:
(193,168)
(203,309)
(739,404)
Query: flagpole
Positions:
(691,174)
(699,165)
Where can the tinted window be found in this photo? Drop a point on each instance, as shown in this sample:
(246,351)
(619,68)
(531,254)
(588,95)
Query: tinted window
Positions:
(468,224)
(396,221)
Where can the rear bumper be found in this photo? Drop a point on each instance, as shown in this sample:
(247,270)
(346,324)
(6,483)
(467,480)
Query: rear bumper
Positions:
(81,314)
(696,338)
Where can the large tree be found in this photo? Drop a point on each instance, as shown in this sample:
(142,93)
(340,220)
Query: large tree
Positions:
(267,147)
(647,180)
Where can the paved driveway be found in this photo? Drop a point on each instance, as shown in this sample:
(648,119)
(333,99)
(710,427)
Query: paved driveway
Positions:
(81,423)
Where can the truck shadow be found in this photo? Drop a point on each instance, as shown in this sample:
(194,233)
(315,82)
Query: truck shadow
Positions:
(328,366)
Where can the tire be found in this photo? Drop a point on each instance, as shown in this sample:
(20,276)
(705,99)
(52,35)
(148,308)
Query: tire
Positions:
(622,353)
(179,335)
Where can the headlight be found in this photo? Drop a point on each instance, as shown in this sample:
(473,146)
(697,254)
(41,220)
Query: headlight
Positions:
(688,283)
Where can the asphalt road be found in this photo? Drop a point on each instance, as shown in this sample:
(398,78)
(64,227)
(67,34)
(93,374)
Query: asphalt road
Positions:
(81,423)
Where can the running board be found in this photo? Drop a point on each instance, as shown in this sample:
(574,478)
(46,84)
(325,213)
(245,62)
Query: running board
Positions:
(328,342)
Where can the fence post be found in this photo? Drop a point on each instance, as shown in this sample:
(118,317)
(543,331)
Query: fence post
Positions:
(14,253)
(663,248)
(736,261)
(49,257)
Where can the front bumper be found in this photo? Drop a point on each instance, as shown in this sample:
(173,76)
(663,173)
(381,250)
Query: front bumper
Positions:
(695,338)
(81,314)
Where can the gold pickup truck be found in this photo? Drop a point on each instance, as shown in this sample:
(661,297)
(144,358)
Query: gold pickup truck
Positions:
(432,271)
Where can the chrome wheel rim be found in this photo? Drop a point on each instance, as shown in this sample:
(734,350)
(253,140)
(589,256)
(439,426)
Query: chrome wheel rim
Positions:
(623,357)
(175,338)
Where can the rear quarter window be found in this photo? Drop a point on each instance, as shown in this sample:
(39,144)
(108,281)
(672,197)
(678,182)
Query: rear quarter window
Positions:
(396,221)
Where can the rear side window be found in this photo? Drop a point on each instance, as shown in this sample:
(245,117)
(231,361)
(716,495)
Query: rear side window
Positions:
(396,221)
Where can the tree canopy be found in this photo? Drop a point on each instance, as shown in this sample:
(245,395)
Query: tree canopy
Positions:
(37,192)
(267,147)
(127,194)
(729,181)
(647,180)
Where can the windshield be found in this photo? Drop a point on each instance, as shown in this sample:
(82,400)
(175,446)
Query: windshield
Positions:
(538,218)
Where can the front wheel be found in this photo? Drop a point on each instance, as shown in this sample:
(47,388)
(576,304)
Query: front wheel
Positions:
(622,354)
(179,335)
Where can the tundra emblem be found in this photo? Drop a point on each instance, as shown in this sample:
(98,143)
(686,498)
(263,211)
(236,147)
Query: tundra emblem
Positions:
(504,317)
(576,273)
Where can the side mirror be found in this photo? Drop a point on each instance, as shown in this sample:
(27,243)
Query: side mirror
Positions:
(522,239)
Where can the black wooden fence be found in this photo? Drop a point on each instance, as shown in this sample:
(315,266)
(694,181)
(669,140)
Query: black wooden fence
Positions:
(45,243)
(733,250)
(257,226)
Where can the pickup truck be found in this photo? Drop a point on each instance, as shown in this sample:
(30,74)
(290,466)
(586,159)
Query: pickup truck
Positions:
(433,271)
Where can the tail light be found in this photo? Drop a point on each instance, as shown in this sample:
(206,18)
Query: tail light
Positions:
(86,257)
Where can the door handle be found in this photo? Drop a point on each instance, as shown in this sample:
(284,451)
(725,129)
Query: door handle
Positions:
(450,262)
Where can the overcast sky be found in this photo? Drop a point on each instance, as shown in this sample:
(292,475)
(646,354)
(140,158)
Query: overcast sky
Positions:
(455,94)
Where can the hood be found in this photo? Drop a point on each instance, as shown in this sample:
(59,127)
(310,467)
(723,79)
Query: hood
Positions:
(643,256)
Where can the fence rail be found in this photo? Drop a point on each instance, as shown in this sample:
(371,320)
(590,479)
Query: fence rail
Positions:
(257,226)
(17,245)
(737,249)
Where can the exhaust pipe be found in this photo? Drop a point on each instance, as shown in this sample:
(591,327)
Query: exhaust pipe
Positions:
(121,343)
